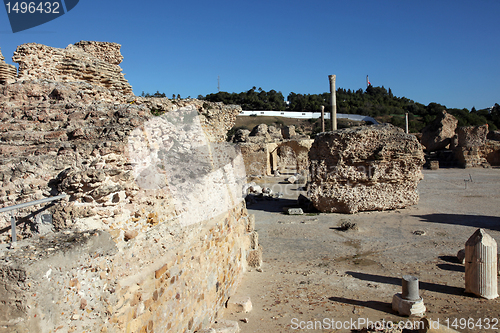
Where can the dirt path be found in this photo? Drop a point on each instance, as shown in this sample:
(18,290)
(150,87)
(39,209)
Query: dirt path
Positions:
(314,273)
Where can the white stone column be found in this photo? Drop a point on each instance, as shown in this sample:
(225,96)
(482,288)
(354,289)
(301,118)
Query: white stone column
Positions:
(322,118)
(481,265)
(406,122)
(333,114)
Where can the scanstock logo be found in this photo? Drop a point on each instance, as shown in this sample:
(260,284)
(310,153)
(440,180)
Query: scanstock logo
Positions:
(28,14)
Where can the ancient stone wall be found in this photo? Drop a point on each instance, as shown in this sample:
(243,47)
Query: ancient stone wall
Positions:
(73,281)
(471,141)
(93,62)
(365,168)
(8,72)
(125,248)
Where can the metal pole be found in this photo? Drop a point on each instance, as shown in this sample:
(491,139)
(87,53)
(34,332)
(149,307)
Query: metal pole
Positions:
(406,117)
(333,114)
(13,228)
(31,203)
(23,205)
(322,118)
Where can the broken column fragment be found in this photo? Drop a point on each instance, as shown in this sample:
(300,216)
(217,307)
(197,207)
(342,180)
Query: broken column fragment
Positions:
(481,265)
(365,168)
(409,303)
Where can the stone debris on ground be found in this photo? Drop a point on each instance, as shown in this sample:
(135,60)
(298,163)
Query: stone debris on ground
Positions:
(239,304)
(293,211)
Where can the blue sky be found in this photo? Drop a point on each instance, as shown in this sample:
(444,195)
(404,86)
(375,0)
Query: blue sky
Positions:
(429,51)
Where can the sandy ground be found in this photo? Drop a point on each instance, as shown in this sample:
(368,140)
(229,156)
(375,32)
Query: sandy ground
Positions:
(314,273)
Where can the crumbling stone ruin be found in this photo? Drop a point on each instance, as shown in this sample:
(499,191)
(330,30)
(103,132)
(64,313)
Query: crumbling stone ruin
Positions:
(365,168)
(439,133)
(8,72)
(93,62)
(470,140)
(468,146)
(268,149)
(151,202)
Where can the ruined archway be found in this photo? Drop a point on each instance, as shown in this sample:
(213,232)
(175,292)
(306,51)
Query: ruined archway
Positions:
(291,155)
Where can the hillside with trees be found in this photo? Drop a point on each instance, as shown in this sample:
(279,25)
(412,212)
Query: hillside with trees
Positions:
(377,102)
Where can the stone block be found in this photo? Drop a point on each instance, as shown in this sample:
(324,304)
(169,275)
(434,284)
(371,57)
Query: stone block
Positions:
(254,258)
(365,168)
(293,211)
(434,165)
(239,304)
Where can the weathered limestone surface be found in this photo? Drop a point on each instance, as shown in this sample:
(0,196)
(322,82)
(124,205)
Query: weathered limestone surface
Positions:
(491,152)
(365,168)
(472,136)
(8,72)
(438,134)
(471,142)
(124,252)
(93,62)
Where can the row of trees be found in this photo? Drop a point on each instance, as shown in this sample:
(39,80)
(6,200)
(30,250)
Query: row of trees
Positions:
(377,102)
(253,99)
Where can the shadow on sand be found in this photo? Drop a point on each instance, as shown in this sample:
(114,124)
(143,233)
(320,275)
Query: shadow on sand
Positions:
(379,306)
(476,221)
(397,281)
(272,206)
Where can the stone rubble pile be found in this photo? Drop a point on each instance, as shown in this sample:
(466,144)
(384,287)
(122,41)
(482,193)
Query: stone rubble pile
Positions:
(8,72)
(365,168)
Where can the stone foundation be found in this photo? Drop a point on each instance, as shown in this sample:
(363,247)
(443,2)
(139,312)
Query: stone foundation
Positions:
(168,279)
